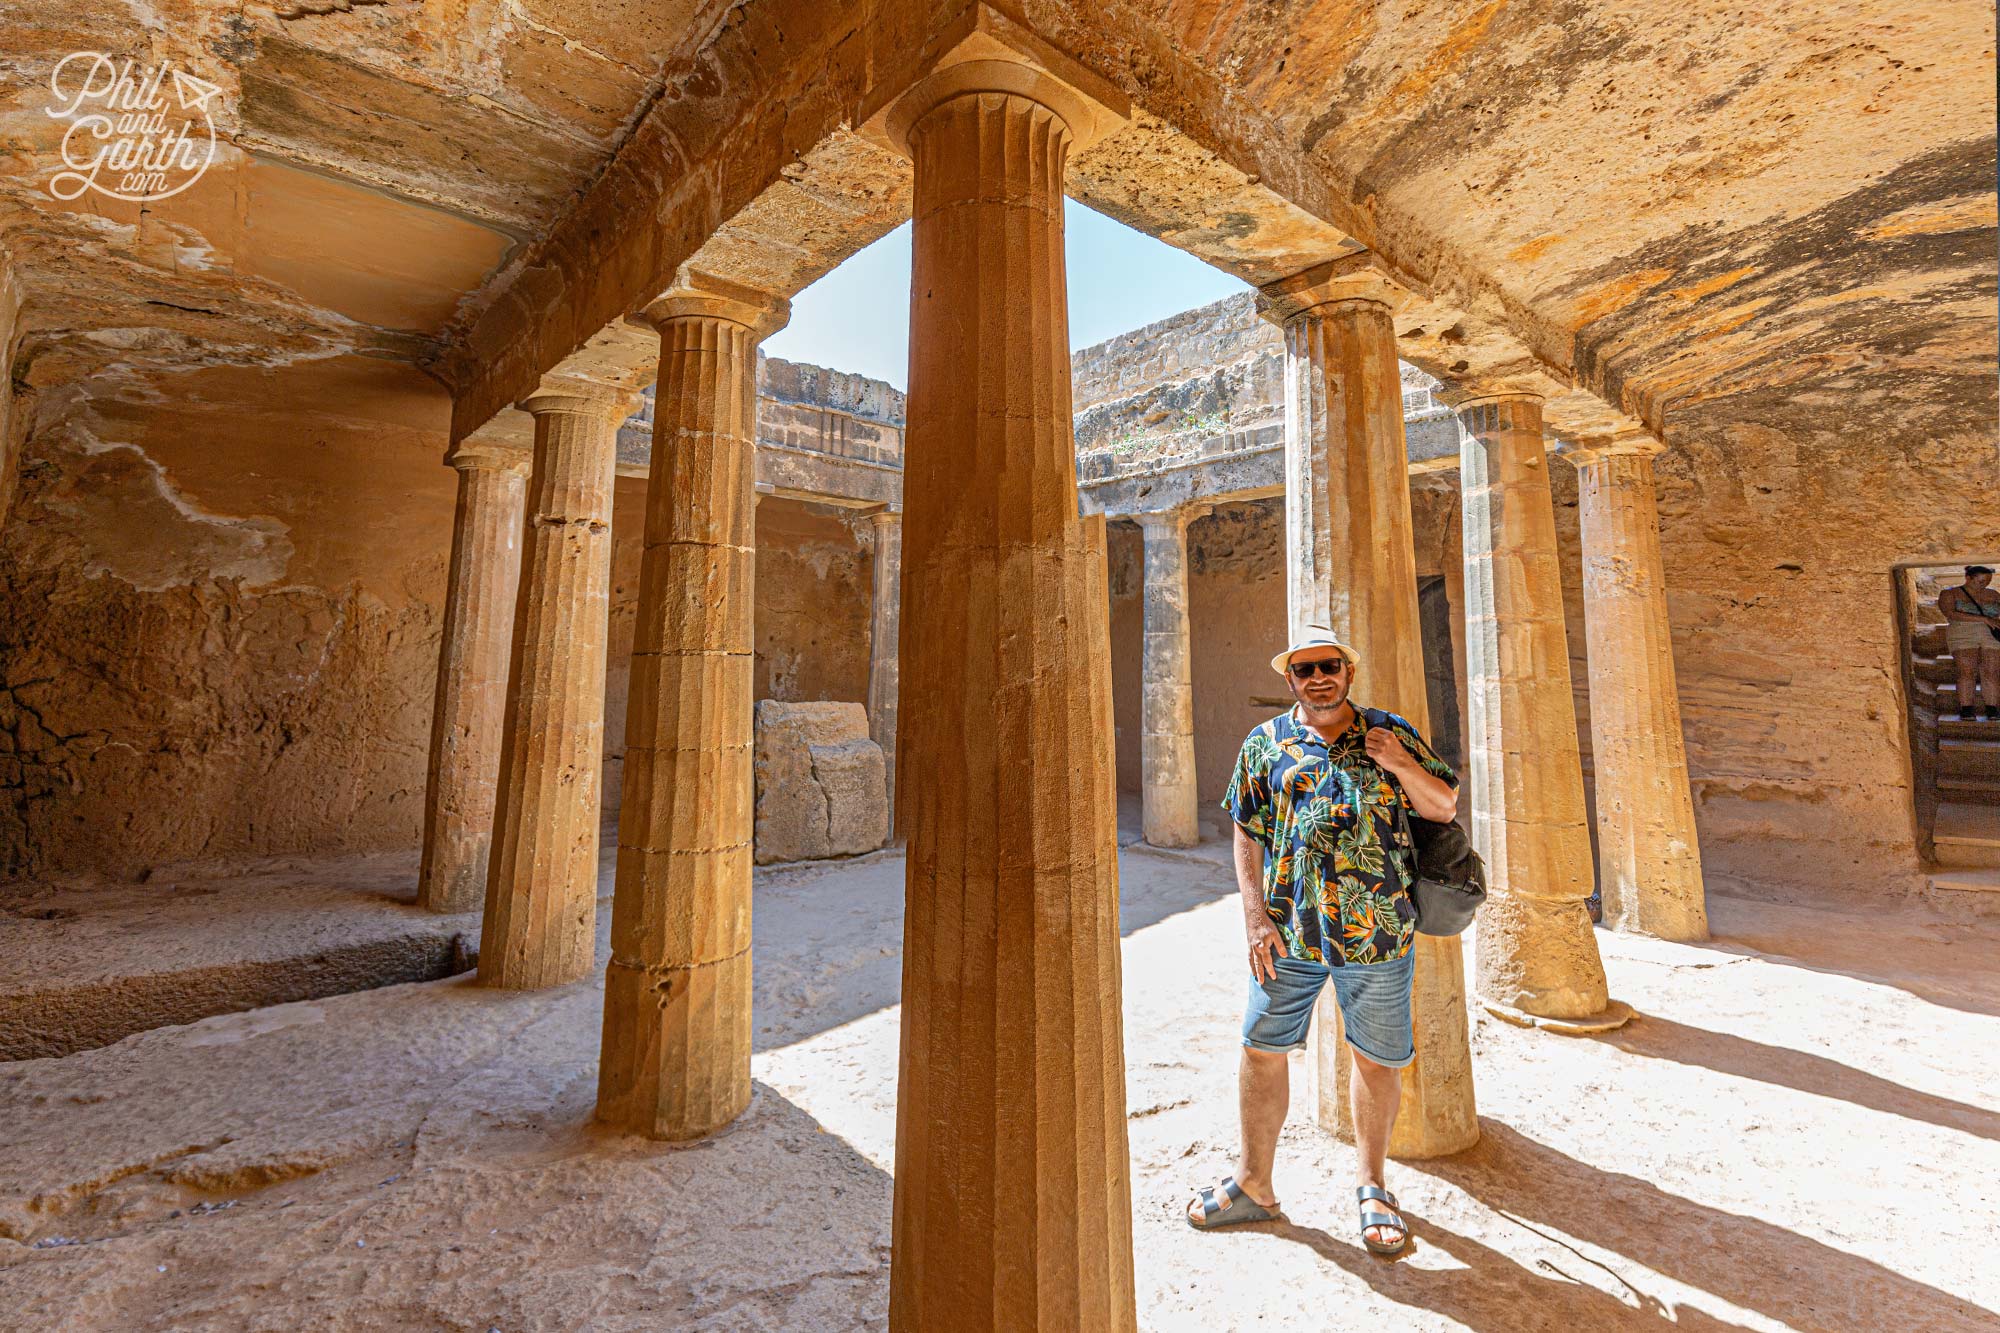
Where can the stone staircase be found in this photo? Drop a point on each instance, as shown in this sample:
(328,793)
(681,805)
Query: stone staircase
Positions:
(1964,774)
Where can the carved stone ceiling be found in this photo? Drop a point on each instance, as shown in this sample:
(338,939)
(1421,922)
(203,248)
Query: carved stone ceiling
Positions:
(1673,203)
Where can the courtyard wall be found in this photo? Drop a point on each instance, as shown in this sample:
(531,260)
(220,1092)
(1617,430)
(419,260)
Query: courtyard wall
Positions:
(220,598)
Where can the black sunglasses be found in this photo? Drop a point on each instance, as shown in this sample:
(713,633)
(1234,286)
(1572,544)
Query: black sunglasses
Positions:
(1332,666)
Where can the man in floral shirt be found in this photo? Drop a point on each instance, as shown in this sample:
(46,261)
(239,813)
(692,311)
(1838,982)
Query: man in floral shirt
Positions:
(1324,865)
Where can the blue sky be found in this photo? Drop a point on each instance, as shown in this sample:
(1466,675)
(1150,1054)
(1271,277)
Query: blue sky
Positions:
(857,318)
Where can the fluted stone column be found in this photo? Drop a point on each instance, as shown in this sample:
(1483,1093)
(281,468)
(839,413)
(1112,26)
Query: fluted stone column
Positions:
(1648,857)
(1538,956)
(541,884)
(885,615)
(1166,686)
(1013,1203)
(471,708)
(1351,567)
(675,1062)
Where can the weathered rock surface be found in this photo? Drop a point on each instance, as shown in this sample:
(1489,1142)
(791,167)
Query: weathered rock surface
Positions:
(82,968)
(821,784)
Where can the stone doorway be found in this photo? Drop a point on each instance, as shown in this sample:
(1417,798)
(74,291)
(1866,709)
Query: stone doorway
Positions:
(1954,761)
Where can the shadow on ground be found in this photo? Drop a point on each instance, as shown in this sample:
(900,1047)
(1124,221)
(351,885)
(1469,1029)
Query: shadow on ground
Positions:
(1663,1039)
(1744,1260)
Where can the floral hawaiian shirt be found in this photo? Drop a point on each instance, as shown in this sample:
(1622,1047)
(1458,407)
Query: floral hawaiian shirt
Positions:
(1337,871)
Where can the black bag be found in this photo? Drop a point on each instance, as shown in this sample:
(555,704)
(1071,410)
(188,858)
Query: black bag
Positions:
(1450,877)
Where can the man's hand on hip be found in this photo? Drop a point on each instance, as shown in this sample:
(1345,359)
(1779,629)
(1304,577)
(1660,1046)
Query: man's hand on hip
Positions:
(1265,946)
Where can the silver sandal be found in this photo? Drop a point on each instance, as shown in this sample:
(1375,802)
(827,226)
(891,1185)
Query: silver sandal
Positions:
(1240,1208)
(1374,1217)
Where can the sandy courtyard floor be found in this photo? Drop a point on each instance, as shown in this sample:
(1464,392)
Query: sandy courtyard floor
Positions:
(1800,1131)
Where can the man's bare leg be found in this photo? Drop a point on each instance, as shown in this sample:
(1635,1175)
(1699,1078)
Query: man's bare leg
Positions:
(1967,666)
(1263,1095)
(1376,1093)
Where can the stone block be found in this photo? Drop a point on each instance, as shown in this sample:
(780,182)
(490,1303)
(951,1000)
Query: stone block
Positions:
(855,780)
(822,786)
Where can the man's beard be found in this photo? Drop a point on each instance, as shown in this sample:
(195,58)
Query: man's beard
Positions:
(1324,710)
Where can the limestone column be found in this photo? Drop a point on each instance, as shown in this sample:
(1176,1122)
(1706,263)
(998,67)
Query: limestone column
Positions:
(541,884)
(1649,860)
(1351,567)
(675,1062)
(471,705)
(1538,958)
(1013,1202)
(885,613)
(1166,686)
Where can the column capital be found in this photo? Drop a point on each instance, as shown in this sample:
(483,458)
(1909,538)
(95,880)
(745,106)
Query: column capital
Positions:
(571,395)
(984,51)
(476,455)
(701,296)
(1524,377)
(1636,442)
(1357,277)
(1179,516)
(1460,397)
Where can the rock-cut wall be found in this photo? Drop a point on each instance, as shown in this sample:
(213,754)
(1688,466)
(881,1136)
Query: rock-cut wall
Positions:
(220,600)
(219,609)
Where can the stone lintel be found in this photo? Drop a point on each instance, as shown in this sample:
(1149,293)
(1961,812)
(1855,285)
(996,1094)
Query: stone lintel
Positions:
(1179,516)
(702,295)
(1252,474)
(1354,277)
(985,51)
(826,479)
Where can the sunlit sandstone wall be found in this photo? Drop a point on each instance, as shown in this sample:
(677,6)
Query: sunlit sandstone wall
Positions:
(219,617)
(1777,547)
(814,583)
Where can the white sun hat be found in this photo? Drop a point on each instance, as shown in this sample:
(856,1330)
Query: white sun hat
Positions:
(1315,637)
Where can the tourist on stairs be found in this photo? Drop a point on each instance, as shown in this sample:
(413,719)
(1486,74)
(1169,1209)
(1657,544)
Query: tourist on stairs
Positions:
(1972,613)
(1324,864)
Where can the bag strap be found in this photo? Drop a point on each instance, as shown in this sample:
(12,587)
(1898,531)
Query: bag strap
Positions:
(1968,605)
(1376,717)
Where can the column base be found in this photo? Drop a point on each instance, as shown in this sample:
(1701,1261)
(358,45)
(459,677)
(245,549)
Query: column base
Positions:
(675,1062)
(1678,922)
(1615,1014)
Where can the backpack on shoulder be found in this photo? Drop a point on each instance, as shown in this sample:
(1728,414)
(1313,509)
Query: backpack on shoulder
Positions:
(1451,879)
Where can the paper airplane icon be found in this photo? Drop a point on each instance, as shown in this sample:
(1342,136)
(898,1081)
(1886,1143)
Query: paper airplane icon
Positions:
(193,92)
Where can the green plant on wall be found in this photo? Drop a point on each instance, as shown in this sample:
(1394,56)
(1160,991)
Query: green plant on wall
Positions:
(1134,439)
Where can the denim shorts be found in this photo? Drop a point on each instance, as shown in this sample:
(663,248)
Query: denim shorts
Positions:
(1374,1007)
